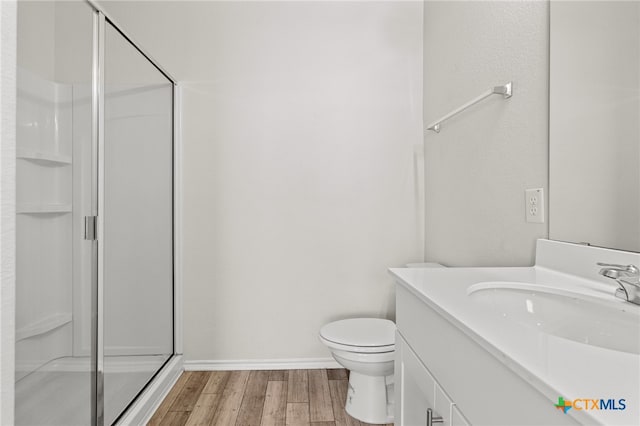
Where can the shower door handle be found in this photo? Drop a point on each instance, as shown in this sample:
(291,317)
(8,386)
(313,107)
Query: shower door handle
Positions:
(91,228)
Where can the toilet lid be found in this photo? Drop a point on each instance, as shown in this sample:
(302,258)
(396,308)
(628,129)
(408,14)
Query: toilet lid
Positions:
(368,332)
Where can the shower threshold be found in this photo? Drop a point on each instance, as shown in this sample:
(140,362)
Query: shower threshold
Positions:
(59,392)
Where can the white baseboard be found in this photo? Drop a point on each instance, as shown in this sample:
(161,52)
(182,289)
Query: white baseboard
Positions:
(261,364)
(148,402)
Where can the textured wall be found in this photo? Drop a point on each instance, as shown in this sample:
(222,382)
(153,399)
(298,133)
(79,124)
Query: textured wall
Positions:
(301,187)
(478,167)
(7,207)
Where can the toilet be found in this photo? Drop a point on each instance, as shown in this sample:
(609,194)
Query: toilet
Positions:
(365,347)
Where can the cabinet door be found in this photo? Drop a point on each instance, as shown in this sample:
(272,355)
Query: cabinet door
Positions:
(418,393)
(417,390)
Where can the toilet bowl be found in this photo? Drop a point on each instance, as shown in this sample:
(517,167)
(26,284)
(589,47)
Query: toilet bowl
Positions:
(365,347)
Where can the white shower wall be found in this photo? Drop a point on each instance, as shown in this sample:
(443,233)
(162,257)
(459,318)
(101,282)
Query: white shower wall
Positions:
(46,219)
(44,222)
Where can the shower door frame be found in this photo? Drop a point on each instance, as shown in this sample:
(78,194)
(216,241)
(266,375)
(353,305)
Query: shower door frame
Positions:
(157,385)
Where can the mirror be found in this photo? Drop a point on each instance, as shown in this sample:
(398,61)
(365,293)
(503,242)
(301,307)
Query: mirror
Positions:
(594,125)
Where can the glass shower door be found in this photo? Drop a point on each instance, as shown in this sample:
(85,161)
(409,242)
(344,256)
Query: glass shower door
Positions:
(137,217)
(94,317)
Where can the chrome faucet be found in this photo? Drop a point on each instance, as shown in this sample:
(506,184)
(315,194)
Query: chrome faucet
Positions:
(627,277)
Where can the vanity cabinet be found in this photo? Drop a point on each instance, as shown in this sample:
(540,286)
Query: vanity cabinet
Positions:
(450,371)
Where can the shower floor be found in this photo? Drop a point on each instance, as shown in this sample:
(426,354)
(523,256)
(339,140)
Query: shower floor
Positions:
(59,393)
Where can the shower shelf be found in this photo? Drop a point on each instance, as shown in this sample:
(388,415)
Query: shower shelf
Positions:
(43,326)
(26,208)
(44,156)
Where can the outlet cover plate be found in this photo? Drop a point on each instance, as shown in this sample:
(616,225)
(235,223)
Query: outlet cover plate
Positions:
(534,205)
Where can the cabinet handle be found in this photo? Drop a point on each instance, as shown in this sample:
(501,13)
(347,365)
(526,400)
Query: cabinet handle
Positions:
(431,420)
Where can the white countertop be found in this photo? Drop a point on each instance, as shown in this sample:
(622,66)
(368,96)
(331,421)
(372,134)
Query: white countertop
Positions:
(555,366)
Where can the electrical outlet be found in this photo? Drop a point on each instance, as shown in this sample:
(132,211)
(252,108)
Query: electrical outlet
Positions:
(534,205)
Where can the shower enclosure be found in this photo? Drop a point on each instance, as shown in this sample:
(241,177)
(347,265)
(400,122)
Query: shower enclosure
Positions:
(95,249)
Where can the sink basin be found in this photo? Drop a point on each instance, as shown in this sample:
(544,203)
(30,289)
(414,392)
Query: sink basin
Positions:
(563,313)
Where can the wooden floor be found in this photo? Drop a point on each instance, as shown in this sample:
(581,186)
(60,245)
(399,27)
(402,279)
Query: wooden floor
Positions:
(257,398)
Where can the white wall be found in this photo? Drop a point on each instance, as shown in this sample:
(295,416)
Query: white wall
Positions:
(595,64)
(478,167)
(36,26)
(7,207)
(300,126)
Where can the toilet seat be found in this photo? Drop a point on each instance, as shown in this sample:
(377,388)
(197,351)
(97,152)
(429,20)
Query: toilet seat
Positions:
(358,349)
(364,335)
